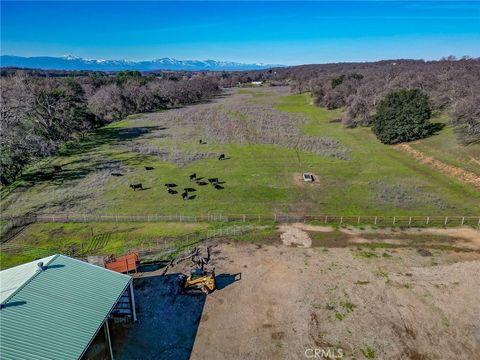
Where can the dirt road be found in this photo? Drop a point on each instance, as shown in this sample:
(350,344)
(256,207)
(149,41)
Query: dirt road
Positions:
(450,170)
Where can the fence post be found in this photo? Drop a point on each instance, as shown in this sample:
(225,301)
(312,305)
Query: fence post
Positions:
(410,220)
(463,220)
(428,219)
(326,219)
(479,222)
(375,220)
(243,218)
(358,220)
(394,219)
(446,220)
(341,219)
(275,217)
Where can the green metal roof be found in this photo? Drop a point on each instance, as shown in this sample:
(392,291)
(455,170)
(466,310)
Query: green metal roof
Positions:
(12,279)
(55,313)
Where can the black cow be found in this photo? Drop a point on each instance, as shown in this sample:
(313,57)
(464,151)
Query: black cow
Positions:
(202,142)
(136,187)
(57,167)
(193,176)
(116,174)
(201,183)
(185,195)
(221,157)
(170,185)
(149,168)
(219,187)
(171,191)
(189,189)
(213,180)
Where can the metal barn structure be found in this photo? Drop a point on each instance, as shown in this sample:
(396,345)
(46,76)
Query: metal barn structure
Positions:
(56,307)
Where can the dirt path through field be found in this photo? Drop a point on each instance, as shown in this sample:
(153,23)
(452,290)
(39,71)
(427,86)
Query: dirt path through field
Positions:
(450,170)
(297,234)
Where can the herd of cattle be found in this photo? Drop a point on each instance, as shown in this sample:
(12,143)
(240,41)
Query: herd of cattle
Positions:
(199,181)
(215,182)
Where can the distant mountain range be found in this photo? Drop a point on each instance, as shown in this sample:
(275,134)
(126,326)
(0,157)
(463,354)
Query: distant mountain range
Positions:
(69,62)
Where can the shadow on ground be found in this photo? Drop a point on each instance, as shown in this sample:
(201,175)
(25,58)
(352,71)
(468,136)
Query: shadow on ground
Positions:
(223,280)
(80,168)
(108,135)
(167,321)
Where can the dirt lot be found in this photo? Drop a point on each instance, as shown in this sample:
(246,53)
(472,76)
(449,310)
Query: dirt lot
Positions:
(385,294)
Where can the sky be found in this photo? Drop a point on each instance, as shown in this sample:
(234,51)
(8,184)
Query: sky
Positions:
(269,32)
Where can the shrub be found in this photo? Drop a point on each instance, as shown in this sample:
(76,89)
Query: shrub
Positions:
(403,115)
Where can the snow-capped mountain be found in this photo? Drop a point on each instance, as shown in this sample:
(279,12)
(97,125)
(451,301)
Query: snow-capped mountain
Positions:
(70,62)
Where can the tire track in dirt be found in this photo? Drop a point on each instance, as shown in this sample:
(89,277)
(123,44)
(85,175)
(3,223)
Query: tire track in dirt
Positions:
(450,170)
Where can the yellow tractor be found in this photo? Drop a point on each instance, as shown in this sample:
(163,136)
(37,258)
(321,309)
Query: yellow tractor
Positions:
(199,280)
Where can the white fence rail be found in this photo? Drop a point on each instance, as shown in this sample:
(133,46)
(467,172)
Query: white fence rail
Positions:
(373,220)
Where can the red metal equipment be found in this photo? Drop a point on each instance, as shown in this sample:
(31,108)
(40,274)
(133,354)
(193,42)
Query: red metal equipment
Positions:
(124,264)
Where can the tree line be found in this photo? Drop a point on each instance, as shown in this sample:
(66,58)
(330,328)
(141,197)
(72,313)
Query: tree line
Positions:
(39,114)
(452,86)
(41,110)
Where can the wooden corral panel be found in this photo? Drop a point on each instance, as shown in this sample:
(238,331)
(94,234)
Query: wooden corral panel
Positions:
(124,264)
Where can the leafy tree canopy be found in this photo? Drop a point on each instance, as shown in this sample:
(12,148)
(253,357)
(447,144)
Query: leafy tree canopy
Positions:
(403,115)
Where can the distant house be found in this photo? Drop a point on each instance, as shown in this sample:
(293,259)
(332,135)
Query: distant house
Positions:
(57,307)
(257,83)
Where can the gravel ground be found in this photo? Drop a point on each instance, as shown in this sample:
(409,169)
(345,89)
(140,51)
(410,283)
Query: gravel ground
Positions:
(385,303)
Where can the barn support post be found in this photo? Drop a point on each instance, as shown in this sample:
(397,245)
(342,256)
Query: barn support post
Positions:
(132,302)
(107,337)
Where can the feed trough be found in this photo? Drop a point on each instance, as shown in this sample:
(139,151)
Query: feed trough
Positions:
(308,177)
